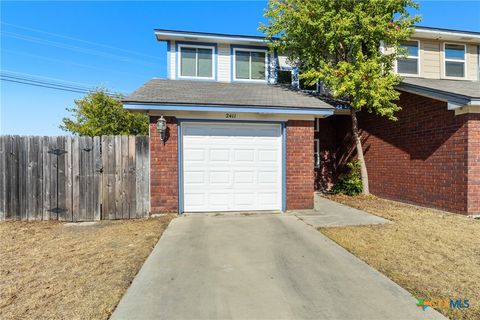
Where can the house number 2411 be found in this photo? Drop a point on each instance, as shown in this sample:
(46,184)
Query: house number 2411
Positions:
(230,115)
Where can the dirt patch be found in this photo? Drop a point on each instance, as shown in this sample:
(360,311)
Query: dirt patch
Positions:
(430,253)
(52,271)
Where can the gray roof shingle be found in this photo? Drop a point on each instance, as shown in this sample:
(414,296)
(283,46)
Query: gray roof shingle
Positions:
(184,92)
(462,88)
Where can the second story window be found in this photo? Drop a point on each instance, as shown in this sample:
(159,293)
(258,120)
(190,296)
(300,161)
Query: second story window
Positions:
(250,65)
(408,64)
(454,60)
(196,62)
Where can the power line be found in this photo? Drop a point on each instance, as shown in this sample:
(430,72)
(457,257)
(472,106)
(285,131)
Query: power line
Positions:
(77,48)
(79,40)
(61,61)
(7,77)
(36,77)
(58,85)
(42,85)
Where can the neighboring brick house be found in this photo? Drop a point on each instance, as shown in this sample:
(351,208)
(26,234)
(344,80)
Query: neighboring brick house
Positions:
(236,140)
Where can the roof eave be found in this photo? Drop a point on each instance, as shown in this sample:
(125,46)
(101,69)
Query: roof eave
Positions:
(453,100)
(447,34)
(145,106)
(164,35)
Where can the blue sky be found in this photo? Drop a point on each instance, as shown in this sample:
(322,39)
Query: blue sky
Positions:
(111,44)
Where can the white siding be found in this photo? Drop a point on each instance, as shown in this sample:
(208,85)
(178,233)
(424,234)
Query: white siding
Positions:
(171,61)
(272,67)
(282,62)
(224,64)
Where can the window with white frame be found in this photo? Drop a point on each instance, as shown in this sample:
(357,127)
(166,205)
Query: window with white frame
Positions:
(316,153)
(409,63)
(196,62)
(454,60)
(250,65)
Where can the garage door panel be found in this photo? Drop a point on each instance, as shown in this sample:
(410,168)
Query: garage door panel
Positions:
(220,177)
(267,198)
(219,199)
(194,155)
(219,154)
(194,177)
(244,155)
(244,199)
(195,199)
(270,177)
(243,177)
(231,167)
(268,155)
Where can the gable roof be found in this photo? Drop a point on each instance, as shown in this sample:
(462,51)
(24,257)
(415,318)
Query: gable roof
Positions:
(456,92)
(242,95)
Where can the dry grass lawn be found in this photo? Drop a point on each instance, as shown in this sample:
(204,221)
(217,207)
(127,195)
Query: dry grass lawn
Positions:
(52,271)
(432,254)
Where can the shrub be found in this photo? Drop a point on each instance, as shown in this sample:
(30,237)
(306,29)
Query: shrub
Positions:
(350,183)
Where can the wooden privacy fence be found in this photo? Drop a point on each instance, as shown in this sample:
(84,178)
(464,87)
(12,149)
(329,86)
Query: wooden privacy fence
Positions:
(74,178)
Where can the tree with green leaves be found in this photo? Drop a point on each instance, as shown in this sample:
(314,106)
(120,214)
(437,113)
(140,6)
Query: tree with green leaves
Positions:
(99,113)
(340,43)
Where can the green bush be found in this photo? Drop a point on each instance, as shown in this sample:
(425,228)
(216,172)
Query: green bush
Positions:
(351,183)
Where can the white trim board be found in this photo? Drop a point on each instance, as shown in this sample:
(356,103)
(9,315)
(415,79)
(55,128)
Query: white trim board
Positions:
(194,46)
(234,65)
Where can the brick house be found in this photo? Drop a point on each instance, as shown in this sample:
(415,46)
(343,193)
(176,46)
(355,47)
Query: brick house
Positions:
(232,128)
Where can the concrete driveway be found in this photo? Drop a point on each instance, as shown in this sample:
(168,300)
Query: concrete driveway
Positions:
(270,266)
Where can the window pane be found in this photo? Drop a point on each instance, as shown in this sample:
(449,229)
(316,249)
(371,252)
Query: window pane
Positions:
(407,66)
(411,48)
(187,63)
(204,63)
(242,65)
(454,51)
(454,69)
(284,77)
(258,65)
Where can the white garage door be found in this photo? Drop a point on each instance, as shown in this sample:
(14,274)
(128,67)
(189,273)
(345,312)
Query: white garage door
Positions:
(231,167)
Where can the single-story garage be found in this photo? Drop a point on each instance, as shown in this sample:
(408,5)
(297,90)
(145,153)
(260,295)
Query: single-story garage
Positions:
(229,146)
(243,146)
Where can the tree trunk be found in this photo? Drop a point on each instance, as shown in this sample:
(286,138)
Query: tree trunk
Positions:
(361,159)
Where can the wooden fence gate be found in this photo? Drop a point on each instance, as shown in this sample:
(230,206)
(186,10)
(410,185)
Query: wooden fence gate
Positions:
(74,178)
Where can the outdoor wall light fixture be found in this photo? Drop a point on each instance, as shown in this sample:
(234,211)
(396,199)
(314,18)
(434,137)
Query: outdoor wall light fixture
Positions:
(162,127)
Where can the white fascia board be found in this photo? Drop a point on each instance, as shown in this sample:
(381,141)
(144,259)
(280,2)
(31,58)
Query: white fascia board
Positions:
(446,35)
(240,109)
(163,35)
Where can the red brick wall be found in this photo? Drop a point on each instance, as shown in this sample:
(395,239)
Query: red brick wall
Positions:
(326,174)
(163,168)
(300,175)
(423,158)
(473,164)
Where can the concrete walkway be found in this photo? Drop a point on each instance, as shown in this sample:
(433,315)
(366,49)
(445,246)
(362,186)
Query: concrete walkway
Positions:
(328,213)
(270,266)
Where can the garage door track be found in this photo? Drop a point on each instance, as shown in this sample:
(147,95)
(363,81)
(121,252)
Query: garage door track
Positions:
(270,266)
